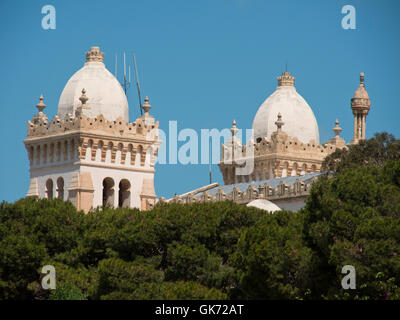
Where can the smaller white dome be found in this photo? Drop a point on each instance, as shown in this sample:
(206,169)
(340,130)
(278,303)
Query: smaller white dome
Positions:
(264,204)
(103,90)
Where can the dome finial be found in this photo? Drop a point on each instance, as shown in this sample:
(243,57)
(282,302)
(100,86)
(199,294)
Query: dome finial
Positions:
(362,79)
(361,91)
(279,123)
(41,105)
(94,55)
(337,129)
(83,98)
(286,79)
(146,106)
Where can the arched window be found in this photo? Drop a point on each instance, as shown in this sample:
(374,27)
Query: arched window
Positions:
(109,152)
(38,155)
(65,151)
(138,159)
(99,151)
(60,188)
(124,195)
(44,156)
(49,189)
(88,154)
(72,149)
(284,170)
(294,170)
(51,157)
(58,151)
(32,155)
(108,191)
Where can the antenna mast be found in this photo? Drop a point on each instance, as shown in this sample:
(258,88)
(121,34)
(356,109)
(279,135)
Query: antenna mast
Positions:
(137,82)
(127,83)
(210,159)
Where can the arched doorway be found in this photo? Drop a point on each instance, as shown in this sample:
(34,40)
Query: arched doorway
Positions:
(49,189)
(108,191)
(60,188)
(124,194)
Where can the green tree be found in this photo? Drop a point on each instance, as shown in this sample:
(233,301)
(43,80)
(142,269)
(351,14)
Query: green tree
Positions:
(272,260)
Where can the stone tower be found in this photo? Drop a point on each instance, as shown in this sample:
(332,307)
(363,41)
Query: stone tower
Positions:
(90,153)
(286,140)
(360,105)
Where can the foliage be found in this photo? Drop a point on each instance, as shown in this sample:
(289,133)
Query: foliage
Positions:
(218,250)
(67,292)
(376,151)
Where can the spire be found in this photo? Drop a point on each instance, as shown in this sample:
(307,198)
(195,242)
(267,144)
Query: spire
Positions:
(83,98)
(94,55)
(279,123)
(337,141)
(40,117)
(41,105)
(286,80)
(234,130)
(146,106)
(337,129)
(362,79)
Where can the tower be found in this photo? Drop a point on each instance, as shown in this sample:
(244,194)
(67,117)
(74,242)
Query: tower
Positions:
(285,140)
(360,105)
(90,153)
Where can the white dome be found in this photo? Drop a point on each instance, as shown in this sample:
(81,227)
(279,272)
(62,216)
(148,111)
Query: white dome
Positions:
(299,120)
(264,204)
(105,94)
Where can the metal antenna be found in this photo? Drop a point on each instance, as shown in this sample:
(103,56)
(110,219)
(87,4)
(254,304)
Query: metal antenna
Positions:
(137,82)
(210,159)
(126,84)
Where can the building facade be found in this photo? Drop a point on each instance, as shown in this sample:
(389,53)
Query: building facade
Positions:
(284,156)
(90,153)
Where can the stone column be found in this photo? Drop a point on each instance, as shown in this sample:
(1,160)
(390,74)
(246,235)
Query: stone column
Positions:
(363,126)
(355,128)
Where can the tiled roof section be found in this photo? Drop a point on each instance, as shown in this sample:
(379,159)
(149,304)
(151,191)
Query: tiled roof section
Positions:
(272,182)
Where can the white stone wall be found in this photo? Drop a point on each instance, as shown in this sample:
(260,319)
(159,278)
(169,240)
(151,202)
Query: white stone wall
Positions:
(135,179)
(98,173)
(43,175)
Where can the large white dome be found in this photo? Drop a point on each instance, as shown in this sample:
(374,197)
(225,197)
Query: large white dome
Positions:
(105,94)
(299,120)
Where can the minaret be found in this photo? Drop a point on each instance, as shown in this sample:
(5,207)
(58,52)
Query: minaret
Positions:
(234,131)
(360,104)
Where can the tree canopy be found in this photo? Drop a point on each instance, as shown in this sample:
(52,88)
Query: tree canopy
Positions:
(217,250)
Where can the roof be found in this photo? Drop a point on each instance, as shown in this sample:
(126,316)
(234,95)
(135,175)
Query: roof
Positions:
(227,189)
(105,94)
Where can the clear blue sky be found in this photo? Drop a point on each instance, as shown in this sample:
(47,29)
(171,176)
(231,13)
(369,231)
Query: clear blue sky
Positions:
(202,63)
